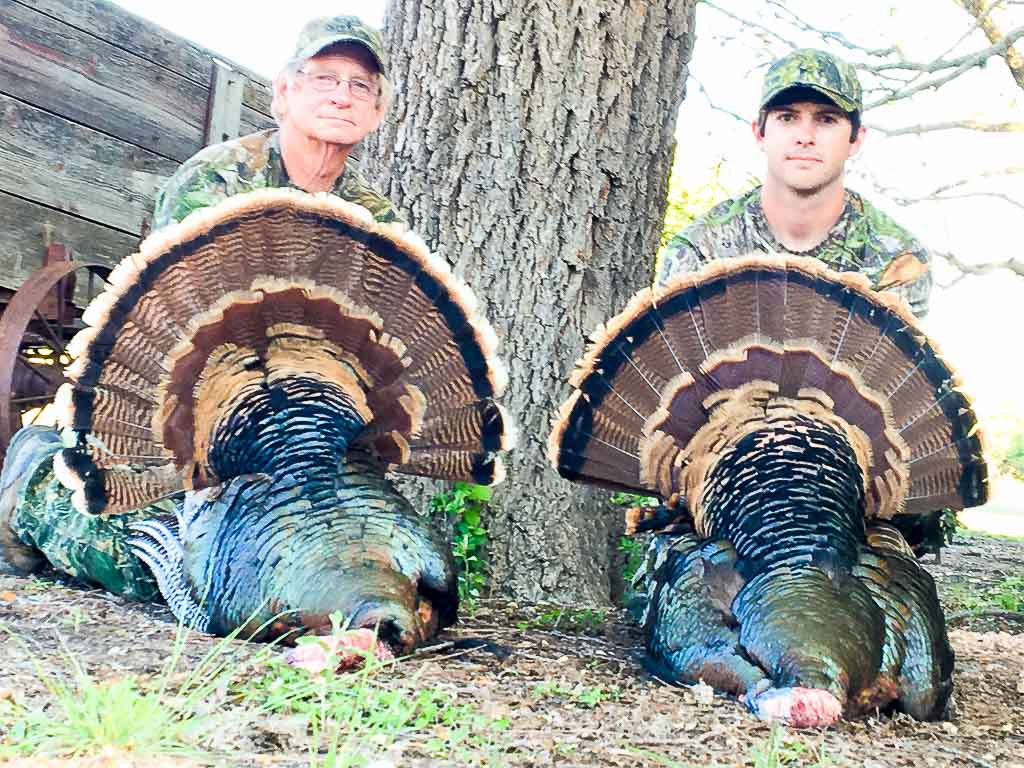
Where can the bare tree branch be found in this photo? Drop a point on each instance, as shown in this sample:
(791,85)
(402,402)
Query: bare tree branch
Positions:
(977,24)
(955,281)
(751,23)
(827,34)
(972,125)
(966,63)
(981,12)
(1013,264)
(1010,170)
(940,198)
(940,63)
(941,193)
(888,69)
(714,106)
(996,195)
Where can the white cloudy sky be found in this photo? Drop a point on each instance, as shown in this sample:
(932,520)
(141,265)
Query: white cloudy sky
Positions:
(977,323)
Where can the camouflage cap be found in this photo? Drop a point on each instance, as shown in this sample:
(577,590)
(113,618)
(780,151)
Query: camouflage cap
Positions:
(820,71)
(320,33)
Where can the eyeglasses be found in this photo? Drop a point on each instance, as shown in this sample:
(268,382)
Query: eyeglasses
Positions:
(325,82)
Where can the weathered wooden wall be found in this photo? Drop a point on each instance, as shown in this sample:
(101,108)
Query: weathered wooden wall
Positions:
(97,108)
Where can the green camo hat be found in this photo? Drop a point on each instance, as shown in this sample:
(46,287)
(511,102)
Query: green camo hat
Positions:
(320,33)
(822,72)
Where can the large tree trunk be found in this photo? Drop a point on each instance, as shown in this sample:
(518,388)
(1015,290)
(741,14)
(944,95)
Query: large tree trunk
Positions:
(530,144)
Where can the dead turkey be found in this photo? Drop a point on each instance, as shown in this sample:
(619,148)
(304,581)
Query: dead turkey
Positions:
(272,358)
(783,413)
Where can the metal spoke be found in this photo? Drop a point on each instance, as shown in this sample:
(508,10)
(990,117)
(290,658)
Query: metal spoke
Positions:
(57,342)
(32,369)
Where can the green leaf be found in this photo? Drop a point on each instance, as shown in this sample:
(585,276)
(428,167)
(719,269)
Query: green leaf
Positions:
(476,492)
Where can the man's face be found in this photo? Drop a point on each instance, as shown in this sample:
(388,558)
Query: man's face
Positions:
(806,145)
(334,116)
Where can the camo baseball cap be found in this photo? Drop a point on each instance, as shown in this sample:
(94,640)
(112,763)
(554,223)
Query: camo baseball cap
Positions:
(320,33)
(820,71)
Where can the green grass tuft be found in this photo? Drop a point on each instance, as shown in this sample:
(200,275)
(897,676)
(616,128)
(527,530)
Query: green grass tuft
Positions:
(87,716)
(782,750)
(587,620)
(354,717)
(463,506)
(341,719)
(579,694)
(975,599)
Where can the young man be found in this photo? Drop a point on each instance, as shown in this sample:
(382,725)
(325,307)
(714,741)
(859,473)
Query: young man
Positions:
(808,126)
(331,94)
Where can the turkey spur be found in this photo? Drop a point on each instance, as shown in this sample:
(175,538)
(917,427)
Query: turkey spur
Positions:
(268,360)
(784,414)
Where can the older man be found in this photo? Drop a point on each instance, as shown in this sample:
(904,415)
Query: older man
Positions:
(331,94)
(808,126)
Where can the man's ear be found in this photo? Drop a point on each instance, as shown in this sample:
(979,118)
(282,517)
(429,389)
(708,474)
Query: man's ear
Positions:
(755,128)
(857,143)
(279,99)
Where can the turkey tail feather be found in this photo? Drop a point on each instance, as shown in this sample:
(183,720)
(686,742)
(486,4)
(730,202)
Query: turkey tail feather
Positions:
(226,312)
(691,368)
(157,543)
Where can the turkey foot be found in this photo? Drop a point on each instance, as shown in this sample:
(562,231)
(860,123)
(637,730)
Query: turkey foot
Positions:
(348,649)
(796,707)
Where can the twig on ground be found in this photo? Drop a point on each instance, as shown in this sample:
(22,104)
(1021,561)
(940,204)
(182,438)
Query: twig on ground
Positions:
(433,648)
(991,613)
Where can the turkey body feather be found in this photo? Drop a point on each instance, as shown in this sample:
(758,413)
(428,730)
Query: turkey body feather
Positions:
(783,412)
(273,358)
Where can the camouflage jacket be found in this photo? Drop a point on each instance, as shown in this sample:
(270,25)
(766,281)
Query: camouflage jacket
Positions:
(90,548)
(242,165)
(863,239)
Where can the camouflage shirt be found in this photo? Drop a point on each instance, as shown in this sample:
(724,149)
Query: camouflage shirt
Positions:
(89,548)
(863,239)
(249,163)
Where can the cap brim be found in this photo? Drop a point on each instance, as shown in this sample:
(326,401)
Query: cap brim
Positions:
(838,99)
(313,49)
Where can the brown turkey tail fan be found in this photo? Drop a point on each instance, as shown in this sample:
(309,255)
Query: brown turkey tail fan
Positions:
(246,304)
(686,371)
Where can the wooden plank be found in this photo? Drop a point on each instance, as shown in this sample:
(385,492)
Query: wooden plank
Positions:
(252,121)
(224,112)
(23,244)
(71,73)
(66,166)
(152,42)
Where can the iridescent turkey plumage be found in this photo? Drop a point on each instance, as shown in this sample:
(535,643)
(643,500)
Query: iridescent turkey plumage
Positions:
(270,360)
(783,413)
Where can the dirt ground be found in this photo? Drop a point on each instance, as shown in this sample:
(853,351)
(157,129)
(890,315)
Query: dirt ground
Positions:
(638,722)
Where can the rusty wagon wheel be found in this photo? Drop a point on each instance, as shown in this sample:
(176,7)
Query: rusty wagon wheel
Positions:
(24,324)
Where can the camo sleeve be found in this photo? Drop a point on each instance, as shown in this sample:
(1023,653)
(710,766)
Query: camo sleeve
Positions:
(194,185)
(354,187)
(91,548)
(724,231)
(918,293)
(678,256)
(895,260)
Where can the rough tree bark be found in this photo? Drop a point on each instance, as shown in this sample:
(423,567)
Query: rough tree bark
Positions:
(530,144)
